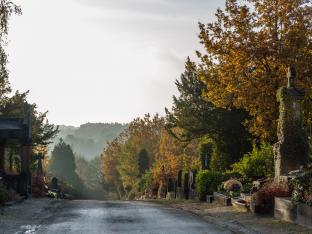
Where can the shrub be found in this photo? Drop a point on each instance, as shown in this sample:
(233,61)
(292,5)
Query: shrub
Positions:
(247,188)
(131,196)
(257,164)
(146,182)
(302,188)
(228,175)
(207,182)
(4,195)
(270,190)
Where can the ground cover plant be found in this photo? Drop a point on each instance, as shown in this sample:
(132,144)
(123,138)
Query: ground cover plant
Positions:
(302,188)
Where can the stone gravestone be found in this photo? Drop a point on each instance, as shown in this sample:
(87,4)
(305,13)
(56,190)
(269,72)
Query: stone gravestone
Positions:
(54,184)
(291,152)
(179,181)
(186,187)
(192,184)
(170,189)
(170,185)
(179,190)
(193,179)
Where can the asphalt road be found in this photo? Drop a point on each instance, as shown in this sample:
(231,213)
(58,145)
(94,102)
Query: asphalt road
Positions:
(88,217)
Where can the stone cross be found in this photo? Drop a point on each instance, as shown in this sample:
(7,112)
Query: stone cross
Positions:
(54,183)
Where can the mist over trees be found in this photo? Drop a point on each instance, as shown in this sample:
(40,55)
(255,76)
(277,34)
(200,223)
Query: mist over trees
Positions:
(63,166)
(89,139)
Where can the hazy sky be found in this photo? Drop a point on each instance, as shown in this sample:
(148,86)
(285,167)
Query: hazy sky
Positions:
(103,60)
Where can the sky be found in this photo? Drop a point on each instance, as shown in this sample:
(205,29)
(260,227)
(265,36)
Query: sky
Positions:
(103,60)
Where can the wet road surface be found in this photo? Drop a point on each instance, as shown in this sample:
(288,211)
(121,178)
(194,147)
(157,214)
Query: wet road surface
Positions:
(123,217)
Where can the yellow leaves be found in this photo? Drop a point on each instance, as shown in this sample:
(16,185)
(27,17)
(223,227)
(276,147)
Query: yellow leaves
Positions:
(174,156)
(40,149)
(167,155)
(246,62)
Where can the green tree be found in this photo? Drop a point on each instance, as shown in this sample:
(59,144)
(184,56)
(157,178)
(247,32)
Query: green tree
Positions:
(90,175)
(128,167)
(198,117)
(42,131)
(63,165)
(143,161)
(257,164)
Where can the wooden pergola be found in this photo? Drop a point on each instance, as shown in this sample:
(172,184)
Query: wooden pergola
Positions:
(17,129)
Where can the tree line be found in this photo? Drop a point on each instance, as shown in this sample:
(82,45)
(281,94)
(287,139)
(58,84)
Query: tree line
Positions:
(226,107)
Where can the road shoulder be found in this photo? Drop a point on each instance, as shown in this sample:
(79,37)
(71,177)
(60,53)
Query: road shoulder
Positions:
(27,216)
(235,220)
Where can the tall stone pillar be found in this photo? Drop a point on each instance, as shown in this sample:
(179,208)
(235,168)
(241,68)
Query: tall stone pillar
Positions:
(25,158)
(25,182)
(291,150)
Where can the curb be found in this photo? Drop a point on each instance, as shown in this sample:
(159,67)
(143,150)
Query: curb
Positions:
(233,226)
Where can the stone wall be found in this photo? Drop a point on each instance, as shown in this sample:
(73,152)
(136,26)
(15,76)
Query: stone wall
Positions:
(300,214)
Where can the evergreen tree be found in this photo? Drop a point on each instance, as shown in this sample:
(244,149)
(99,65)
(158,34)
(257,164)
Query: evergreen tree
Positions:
(63,164)
(143,161)
(42,131)
(197,117)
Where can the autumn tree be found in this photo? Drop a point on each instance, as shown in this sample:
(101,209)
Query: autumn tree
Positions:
(128,157)
(145,133)
(247,52)
(128,167)
(168,160)
(110,164)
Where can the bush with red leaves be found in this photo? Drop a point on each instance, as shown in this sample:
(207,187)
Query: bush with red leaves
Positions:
(270,190)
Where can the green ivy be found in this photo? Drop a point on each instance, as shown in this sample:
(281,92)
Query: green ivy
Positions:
(302,188)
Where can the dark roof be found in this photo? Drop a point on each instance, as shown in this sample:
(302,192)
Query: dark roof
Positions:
(16,128)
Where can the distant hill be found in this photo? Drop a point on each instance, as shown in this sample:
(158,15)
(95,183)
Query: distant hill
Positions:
(89,139)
